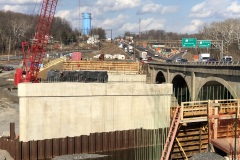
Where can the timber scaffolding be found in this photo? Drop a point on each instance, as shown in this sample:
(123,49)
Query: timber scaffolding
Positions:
(109,66)
(194,133)
(112,67)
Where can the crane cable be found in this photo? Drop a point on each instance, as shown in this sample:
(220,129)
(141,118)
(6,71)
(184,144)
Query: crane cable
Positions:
(35,6)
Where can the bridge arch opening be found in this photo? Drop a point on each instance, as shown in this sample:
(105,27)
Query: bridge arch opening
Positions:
(180,89)
(160,78)
(213,90)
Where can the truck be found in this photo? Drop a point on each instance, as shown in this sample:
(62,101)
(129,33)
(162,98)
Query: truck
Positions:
(203,57)
(130,49)
(143,55)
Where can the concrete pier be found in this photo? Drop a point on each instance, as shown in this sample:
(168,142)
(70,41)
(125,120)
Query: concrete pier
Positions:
(55,110)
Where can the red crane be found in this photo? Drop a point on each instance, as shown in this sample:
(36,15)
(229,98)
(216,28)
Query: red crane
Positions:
(33,55)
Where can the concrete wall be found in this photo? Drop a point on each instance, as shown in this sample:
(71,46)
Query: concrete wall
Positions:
(55,110)
(126,78)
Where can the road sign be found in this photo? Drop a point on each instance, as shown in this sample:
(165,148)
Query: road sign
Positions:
(204,43)
(189,42)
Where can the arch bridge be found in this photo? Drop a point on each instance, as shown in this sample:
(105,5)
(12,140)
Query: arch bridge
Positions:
(197,81)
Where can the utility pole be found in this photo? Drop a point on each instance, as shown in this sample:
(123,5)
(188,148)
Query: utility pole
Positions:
(134,48)
(221,54)
(9,47)
(79,28)
(140,36)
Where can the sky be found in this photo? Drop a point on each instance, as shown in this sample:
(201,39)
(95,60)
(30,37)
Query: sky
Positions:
(120,16)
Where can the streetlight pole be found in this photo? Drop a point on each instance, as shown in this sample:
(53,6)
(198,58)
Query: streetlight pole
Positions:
(134,48)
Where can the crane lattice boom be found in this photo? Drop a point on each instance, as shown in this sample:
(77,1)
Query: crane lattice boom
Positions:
(33,56)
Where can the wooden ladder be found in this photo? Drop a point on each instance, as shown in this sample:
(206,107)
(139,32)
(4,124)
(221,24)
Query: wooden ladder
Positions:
(171,134)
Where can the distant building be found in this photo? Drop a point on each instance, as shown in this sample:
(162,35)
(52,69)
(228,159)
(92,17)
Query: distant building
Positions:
(86,23)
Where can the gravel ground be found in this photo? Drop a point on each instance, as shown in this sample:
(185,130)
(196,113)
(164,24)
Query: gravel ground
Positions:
(9,107)
(78,156)
(4,155)
(207,156)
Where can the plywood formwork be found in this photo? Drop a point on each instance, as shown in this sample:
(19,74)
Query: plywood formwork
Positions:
(192,139)
(194,133)
(56,64)
(110,66)
(224,125)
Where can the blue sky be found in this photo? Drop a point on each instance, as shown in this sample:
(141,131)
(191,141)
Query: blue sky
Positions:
(181,16)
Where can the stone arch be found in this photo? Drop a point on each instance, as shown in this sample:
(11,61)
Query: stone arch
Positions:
(181,87)
(219,80)
(160,77)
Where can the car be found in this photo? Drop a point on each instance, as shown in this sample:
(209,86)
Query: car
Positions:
(149,59)
(156,55)
(11,68)
(169,61)
(227,59)
(6,69)
(181,60)
(212,60)
(184,60)
(177,60)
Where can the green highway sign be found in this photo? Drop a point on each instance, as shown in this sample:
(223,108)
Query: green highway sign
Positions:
(189,42)
(204,43)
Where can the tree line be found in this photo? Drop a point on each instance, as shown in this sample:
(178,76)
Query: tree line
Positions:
(17,28)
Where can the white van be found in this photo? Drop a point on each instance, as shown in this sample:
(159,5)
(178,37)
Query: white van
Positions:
(203,57)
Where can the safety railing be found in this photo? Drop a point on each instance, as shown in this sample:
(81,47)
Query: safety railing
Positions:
(236,63)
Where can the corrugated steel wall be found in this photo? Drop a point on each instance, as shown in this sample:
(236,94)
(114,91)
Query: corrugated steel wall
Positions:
(93,143)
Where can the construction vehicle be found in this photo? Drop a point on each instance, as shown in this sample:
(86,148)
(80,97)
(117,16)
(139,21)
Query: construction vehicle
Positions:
(33,54)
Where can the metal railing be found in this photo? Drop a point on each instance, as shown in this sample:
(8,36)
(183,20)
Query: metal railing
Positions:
(236,63)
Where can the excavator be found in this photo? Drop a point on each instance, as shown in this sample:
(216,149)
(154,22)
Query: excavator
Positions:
(34,53)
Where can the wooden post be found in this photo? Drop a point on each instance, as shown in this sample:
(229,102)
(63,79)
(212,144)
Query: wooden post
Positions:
(215,125)
(200,140)
(12,131)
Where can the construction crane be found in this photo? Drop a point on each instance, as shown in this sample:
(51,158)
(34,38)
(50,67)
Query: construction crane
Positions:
(33,55)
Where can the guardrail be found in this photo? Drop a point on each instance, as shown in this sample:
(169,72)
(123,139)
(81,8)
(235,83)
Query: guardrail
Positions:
(237,63)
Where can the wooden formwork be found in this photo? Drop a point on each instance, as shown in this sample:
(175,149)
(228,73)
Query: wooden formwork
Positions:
(190,140)
(194,134)
(222,118)
(110,66)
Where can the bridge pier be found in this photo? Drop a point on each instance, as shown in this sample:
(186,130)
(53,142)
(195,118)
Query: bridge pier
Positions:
(193,83)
